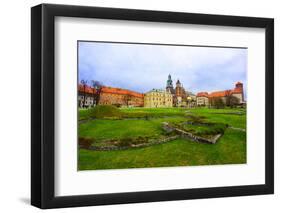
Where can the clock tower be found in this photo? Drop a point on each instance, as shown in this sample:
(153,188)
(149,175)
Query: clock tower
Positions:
(169,86)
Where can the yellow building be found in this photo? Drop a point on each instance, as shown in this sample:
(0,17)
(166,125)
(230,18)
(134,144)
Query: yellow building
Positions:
(158,98)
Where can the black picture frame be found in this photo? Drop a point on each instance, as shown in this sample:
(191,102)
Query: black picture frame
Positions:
(43,102)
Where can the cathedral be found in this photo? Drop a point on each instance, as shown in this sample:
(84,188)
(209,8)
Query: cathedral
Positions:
(181,97)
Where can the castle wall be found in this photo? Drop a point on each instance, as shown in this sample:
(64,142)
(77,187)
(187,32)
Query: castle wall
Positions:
(120,99)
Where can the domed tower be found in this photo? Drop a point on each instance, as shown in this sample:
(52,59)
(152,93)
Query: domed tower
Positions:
(169,86)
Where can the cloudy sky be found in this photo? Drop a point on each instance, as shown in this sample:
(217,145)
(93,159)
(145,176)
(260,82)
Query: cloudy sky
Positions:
(142,67)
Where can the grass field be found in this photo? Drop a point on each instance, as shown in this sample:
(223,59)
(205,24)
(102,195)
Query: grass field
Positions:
(143,122)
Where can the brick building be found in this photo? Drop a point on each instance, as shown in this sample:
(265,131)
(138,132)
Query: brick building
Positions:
(109,96)
(121,97)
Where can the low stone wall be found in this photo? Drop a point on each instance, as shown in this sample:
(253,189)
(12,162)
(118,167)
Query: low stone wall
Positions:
(180,134)
(200,139)
(155,142)
(189,135)
(238,129)
(197,124)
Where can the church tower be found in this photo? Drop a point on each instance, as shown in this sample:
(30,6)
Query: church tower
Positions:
(169,86)
(178,88)
(239,89)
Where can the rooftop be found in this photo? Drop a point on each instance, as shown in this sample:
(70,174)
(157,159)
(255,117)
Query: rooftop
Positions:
(236,90)
(112,90)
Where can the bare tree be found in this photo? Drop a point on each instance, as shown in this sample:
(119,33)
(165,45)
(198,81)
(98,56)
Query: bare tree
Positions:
(233,101)
(96,89)
(216,102)
(230,99)
(228,95)
(84,83)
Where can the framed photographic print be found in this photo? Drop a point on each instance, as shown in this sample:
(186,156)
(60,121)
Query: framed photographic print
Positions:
(139,106)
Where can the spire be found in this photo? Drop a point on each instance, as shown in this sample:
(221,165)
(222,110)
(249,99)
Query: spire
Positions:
(178,83)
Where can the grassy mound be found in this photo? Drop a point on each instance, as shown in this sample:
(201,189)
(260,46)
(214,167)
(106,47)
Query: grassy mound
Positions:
(105,111)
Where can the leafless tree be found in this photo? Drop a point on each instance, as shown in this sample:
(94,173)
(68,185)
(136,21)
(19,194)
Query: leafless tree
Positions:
(216,102)
(230,99)
(228,95)
(233,101)
(84,83)
(96,89)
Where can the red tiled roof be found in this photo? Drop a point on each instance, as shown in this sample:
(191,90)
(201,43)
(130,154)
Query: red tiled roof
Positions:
(202,94)
(120,91)
(220,94)
(224,93)
(112,90)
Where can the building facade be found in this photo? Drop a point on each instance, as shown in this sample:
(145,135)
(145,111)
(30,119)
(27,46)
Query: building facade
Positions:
(121,97)
(205,98)
(158,98)
(202,99)
(85,96)
(108,96)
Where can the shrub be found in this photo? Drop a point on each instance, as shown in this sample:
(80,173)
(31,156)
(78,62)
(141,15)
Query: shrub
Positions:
(217,103)
(196,119)
(105,111)
(140,140)
(117,105)
(85,143)
(123,142)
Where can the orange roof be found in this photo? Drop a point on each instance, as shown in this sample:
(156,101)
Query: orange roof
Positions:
(113,90)
(220,94)
(202,94)
(121,91)
(223,93)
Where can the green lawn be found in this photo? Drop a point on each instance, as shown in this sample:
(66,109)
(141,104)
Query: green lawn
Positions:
(230,149)
(129,112)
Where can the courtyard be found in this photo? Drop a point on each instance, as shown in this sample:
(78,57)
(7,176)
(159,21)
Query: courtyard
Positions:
(122,133)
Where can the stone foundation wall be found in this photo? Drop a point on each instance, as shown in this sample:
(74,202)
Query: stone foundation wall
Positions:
(155,142)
